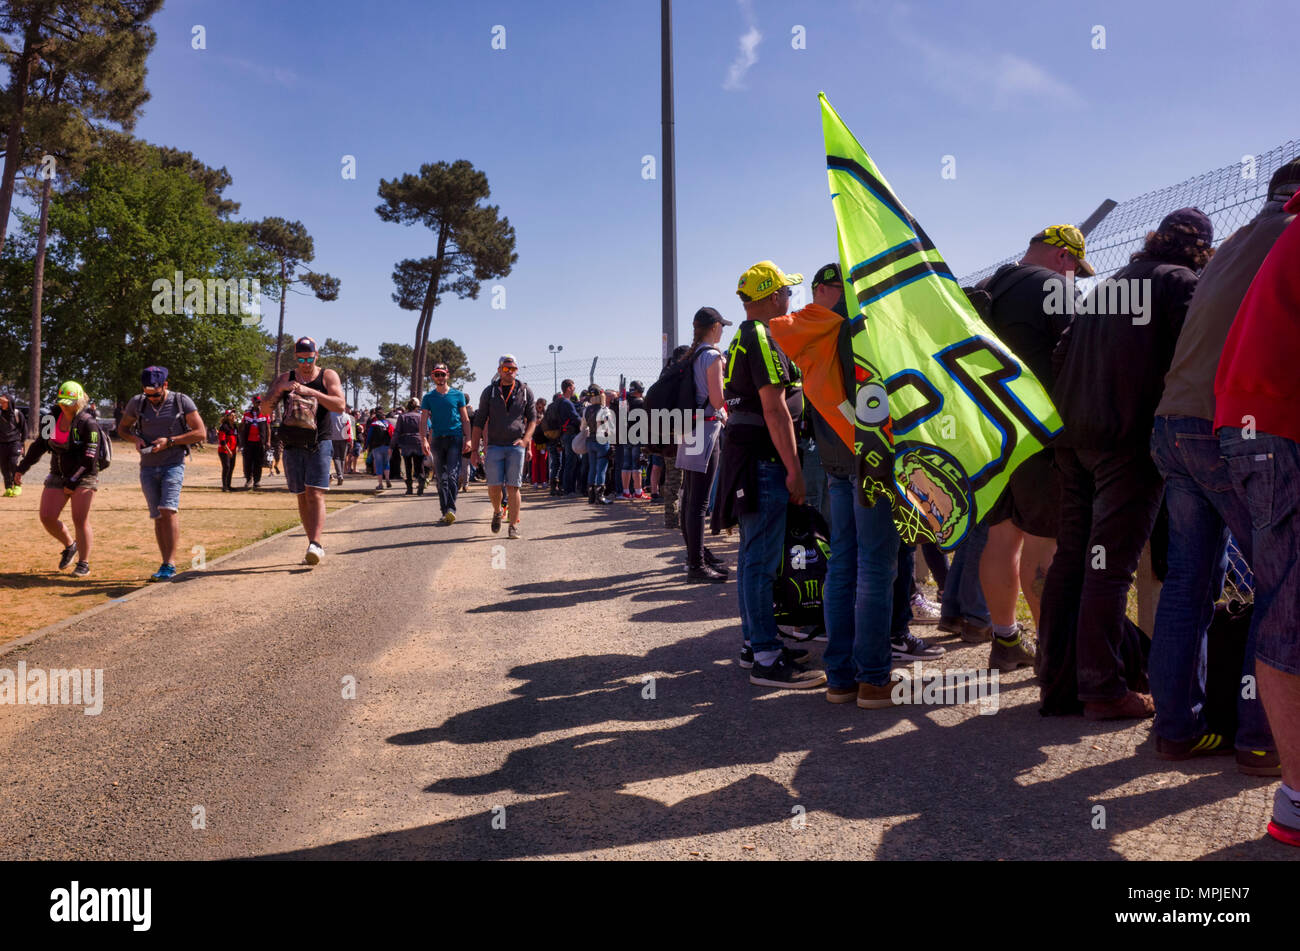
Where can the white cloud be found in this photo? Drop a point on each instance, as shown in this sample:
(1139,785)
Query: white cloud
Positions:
(748,54)
(996,80)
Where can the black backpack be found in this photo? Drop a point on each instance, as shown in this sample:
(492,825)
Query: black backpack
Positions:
(797,592)
(675,390)
(551,421)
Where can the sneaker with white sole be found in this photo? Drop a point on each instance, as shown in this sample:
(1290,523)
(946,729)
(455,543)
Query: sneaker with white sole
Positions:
(314,554)
(69,553)
(924,611)
(793,654)
(907,646)
(782,673)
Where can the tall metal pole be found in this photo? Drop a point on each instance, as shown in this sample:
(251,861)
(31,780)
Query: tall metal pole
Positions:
(667,166)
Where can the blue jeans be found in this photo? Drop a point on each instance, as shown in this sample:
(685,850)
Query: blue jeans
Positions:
(569,467)
(762,538)
(857,598)
(962,595)
(1201,503)
(162,487)
(446,463)
(554,462)
(815,480)
(597,463)
(504,465)
(380,457)
(1265,472)
(304,468)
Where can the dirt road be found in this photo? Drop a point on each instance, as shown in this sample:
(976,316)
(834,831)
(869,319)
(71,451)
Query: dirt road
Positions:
(560,695)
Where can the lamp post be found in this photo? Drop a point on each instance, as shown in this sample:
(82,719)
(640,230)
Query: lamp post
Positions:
(555,366)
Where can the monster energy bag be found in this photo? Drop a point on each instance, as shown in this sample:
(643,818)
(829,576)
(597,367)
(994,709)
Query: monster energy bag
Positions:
(797,593)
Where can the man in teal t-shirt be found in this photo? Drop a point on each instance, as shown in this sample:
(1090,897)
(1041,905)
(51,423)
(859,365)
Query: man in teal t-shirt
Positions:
(444,427)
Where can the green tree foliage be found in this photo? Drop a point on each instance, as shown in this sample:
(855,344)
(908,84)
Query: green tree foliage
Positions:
(71,64)
(118,229)
(473,243)
(292,247)
(390,372)
(446,351)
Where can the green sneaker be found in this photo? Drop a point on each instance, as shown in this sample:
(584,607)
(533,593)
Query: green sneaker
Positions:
(17,490)
(1014,652)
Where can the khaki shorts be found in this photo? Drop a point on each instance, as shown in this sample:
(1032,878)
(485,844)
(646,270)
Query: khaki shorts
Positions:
(53,481)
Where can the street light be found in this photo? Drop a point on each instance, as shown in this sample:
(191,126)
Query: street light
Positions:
(555,366)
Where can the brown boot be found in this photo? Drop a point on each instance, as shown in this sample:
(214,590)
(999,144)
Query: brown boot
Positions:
(871,697)
(1131,706)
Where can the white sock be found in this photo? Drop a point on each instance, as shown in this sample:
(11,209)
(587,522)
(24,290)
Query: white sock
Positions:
(767,658)
(1004,632)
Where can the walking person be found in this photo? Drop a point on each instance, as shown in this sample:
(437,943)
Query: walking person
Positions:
(379,446)
(309,394)
(697,456)
(408,430)
(254,438)
(74,447)
(540,469)
(340,430)
(444,421)
(227,447)
(13,432)
(163,424)
(504,424)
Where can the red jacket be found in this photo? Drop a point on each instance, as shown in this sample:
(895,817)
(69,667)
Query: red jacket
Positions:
(1259,372)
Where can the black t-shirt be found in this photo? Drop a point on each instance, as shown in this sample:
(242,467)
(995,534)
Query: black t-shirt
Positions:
(753,361)
(1019,315)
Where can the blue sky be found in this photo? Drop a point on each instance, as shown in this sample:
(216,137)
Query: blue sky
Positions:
(1041,125)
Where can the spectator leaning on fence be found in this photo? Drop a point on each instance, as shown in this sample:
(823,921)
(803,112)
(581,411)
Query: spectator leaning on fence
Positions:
(1111,363)
(1201,502)
(1021,527)
(1257,386)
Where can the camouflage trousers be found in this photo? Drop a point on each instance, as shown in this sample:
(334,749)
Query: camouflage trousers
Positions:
(672,490)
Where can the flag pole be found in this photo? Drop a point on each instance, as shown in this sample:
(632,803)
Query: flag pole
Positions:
(667,162)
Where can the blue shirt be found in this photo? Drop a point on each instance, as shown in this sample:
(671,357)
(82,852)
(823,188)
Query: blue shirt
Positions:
(444,411)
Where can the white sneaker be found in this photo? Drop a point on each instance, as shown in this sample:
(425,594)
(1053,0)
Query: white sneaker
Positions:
(314,554)
(924,611)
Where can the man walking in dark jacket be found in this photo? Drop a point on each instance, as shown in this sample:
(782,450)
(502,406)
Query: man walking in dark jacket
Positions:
(570,423)
(504,424)
(1111,365)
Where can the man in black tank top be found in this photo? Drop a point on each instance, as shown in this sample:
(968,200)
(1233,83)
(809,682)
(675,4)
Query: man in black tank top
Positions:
(307,447)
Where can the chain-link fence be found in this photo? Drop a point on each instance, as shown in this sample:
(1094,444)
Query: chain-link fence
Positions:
(1230,196)
(543,375)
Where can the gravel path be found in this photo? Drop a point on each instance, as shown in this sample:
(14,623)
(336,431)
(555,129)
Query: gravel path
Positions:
(503,710)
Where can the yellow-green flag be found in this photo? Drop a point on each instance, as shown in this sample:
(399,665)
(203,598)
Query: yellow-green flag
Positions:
(944,411)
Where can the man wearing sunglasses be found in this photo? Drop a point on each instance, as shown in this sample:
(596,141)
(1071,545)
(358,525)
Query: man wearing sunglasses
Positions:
(162,424)
(308,450)
(444,429)
(506,418)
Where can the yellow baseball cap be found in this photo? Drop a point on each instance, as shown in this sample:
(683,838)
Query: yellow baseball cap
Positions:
(70,394)
(762,279)
(1068,237)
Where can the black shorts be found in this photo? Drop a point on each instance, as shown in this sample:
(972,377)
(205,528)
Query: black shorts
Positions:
(339,449)
(1032,499)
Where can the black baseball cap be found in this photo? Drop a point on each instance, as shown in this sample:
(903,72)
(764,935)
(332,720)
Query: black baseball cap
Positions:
(305,345)
(827,274)
(708,316)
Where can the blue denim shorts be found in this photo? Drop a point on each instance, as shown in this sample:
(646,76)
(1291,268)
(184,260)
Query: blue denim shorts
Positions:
(162,487)
(504,465)
(1265,472)
(305,468)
